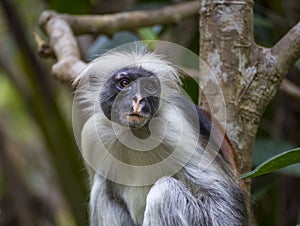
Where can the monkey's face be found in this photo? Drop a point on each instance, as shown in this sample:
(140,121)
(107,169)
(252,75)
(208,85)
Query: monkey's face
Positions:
(131,97)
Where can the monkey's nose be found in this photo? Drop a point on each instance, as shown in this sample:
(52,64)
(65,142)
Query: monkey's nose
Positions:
(138,103)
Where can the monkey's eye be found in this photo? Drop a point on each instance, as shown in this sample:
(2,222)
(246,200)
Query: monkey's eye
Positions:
(124,82)
(150,87)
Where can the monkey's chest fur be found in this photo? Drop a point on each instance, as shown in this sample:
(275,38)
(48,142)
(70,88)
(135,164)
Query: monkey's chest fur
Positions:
(130,197)
(133,198)
(129,187)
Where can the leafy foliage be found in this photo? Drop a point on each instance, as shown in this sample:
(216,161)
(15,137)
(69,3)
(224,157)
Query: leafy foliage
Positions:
(277,162)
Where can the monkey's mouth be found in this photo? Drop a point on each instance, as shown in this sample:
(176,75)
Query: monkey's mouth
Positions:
(136,120)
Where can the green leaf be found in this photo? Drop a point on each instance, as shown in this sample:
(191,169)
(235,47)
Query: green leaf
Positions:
(277,162)
(266,148)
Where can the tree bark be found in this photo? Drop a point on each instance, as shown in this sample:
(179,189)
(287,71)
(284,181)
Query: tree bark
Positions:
(226,40)
(249,75)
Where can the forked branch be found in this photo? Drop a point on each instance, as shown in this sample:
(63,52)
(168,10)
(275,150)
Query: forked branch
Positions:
(61,28)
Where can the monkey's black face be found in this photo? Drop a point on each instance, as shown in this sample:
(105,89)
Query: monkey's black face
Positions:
(131,97)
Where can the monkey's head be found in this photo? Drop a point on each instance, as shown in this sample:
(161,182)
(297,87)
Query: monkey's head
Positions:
(131,96)
(126,87)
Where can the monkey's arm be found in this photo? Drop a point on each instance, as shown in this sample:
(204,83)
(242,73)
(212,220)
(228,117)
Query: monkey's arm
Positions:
(170,202)
(105,210)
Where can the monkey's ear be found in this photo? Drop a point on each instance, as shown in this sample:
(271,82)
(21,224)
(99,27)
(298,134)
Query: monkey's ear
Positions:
(210,127)
(76,81)
(187,73)
(82,80)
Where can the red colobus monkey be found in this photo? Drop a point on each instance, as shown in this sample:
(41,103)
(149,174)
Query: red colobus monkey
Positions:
(147,147)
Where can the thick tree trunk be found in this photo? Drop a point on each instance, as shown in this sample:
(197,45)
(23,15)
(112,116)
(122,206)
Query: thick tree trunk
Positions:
(249,75)
(226,44)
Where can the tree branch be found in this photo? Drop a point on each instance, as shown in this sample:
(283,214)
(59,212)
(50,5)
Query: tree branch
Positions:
(44,48)
(249,75)
(267,69)
(64,46)
(60,28)
(290,89)
(287,50)
(110,24)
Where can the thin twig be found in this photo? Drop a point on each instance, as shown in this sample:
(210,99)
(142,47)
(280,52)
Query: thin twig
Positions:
(44,48)
(290,89)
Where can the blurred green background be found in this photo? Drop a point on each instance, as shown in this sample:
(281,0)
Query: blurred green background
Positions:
(42,178)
